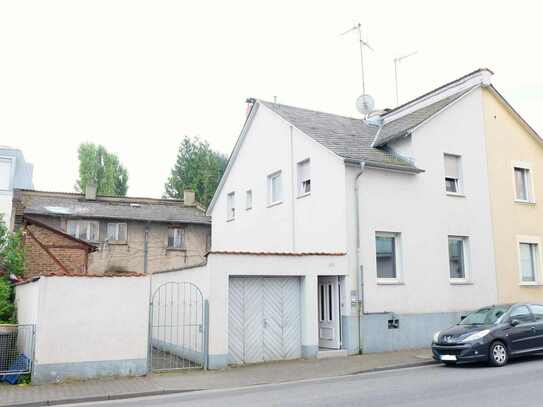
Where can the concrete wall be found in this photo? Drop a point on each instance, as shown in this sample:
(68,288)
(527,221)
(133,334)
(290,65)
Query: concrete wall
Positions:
(88,327)
(315,222)
(507,142)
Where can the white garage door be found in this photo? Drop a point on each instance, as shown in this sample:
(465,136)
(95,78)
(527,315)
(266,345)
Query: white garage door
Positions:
(264,319)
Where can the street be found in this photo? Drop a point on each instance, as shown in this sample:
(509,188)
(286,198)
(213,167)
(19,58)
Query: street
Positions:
(518,384)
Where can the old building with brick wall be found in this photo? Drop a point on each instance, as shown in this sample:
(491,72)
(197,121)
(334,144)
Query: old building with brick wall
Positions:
(130,234)
(49,250)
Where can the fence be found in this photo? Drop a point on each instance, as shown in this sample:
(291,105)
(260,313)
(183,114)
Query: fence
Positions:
(16,349)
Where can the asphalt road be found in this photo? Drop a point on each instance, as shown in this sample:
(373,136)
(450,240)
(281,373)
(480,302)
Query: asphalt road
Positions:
(517,384)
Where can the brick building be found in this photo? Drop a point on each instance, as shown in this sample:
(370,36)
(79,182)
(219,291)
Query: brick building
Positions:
(50,250)
(130,234)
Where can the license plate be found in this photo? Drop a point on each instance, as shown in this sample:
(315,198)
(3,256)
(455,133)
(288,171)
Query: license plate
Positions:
(448,358)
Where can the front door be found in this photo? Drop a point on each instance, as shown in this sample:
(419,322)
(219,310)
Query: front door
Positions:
(329,336)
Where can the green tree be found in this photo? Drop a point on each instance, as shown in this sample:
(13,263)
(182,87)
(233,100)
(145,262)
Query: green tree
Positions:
(12,261)
(98,166)
(197,167)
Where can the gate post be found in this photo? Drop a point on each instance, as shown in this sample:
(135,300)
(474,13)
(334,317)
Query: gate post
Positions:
(206,334)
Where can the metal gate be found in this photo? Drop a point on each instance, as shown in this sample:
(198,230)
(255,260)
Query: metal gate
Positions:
(16,351)
(177,327)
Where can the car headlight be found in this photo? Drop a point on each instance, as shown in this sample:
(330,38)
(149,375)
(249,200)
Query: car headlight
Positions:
(436,337)
(476,336)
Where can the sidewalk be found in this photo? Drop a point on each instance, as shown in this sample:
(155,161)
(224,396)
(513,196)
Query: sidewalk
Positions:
(189,380)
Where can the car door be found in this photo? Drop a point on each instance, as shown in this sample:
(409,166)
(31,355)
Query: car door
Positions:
(522,336)
(537,310)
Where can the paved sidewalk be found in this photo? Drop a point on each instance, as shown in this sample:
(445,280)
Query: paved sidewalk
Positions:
(276,372)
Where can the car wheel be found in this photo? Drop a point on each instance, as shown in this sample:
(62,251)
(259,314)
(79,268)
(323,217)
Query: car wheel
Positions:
(498,354)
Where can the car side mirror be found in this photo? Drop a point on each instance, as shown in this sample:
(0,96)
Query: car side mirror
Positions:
(515,322)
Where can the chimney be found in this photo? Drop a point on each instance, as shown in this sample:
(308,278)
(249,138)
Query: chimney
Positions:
(189,197)
(90,192)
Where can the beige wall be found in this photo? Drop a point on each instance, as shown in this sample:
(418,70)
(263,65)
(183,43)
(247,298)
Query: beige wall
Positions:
(508,142)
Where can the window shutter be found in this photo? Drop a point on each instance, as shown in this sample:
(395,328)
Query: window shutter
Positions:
(451,167)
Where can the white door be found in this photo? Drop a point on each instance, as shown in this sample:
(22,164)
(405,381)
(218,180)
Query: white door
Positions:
(329,312)
(264,319)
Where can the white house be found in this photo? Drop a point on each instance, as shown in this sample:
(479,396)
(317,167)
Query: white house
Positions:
(15,172)
(350,235)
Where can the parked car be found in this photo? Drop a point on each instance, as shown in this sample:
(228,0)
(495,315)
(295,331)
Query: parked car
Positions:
(493,334)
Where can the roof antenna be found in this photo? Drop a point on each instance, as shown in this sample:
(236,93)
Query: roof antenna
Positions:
(365,103)
(397,60)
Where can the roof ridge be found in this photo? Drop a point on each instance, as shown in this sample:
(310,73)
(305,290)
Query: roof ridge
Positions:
(310,110)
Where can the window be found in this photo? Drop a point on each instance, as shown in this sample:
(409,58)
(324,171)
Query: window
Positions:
(522,313)
(529,260)
(231,206)
(537,310)
(453,181)
(84,229)
(304,177)
(275,193)
(457,258)
(5,174)
(176,238)
(522,184)
(116,232)
(248,199)
(387,255)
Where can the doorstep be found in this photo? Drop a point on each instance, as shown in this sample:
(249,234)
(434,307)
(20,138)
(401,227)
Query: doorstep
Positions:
(331,353)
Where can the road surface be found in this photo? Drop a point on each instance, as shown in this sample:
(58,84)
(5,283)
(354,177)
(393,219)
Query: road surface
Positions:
(517,384)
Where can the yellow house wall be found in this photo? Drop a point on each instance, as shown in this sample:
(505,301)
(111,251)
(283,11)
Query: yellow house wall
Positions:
(508,142)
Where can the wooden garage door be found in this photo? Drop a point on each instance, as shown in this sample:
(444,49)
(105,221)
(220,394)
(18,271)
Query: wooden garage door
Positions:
(264,319)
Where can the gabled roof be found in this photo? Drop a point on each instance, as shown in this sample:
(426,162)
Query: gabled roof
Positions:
(404,124)
(72,205)
(347,137)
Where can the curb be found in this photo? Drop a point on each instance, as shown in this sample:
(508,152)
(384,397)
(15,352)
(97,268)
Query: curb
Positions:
(126,396)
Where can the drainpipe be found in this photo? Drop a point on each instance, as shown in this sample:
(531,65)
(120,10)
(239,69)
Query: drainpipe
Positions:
(358,265)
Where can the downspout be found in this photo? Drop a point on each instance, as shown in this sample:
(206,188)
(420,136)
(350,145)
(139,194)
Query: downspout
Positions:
(293,190)
(359,268)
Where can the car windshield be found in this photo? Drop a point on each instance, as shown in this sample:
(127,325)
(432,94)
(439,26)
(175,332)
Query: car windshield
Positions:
(485,316)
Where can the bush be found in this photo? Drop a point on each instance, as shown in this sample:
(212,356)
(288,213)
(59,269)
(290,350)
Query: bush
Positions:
(12,261)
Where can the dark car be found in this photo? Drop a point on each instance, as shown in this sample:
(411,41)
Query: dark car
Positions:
(492,334)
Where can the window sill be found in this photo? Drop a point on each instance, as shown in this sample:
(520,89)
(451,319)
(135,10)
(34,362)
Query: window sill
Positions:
(117,243)
(176,249)
(303,195)
(530,284)
(274,204)
(389,282)
(460,282)
(230,220)
(522,202)
(456,194)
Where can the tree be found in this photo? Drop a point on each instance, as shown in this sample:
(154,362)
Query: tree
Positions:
(12,262)
(197,167)
(98,166)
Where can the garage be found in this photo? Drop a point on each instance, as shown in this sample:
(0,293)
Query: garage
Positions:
(264,320)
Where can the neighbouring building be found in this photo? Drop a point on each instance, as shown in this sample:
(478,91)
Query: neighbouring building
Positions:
(346,235)
(52,251)
(515,169)
(130,234)
(15,172)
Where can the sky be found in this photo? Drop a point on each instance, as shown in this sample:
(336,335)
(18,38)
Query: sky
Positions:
(137,76)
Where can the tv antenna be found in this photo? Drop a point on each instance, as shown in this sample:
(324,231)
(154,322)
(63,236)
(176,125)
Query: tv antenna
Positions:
(364,103)
(397,60)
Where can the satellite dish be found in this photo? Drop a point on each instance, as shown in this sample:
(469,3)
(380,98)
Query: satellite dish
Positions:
(365,104)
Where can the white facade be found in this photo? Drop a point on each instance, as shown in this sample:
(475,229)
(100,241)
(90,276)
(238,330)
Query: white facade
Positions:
(314,222)
(15,172)
(423,214)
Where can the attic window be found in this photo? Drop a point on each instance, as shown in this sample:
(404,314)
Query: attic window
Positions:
(453,179)
(304,177)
